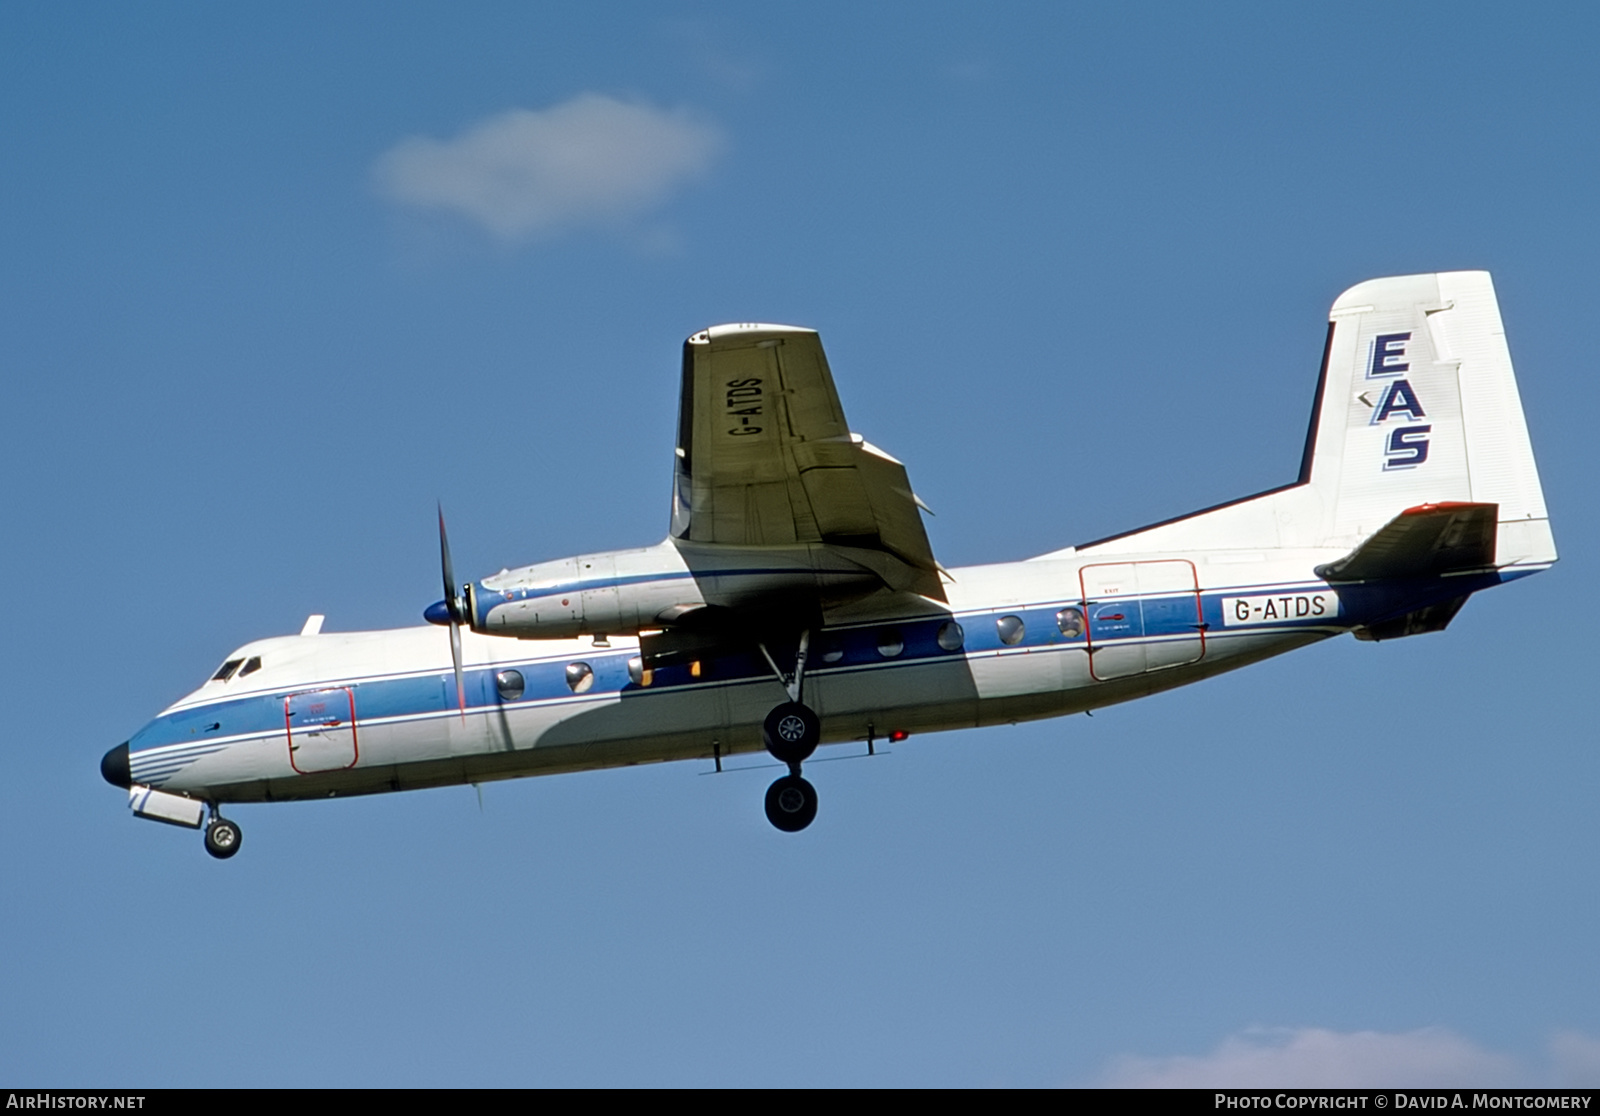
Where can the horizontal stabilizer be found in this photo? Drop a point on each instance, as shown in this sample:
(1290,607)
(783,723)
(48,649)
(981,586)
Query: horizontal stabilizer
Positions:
(1423,541)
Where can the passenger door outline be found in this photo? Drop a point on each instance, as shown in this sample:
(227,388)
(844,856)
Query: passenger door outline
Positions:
(320,728)
(1118,619)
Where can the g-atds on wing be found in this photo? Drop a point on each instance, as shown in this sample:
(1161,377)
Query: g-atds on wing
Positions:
(766,459)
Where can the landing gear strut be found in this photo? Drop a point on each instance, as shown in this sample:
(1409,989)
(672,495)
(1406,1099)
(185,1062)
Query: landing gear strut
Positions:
(791,733)
(222,836)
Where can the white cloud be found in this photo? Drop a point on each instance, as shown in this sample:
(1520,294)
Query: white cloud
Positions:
(520,174)
(1312,1058)
(1576,1058)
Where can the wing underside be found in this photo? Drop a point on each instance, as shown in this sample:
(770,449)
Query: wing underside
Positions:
(766,458)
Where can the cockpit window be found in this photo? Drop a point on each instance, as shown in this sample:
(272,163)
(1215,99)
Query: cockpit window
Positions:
(225,671)
(251,665)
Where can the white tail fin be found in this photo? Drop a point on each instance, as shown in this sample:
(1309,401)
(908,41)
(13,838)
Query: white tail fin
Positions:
(1417,404)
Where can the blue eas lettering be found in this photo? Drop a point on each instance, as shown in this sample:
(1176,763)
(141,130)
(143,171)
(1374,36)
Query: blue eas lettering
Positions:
(1388,355)
(1399,398)
(1408,447)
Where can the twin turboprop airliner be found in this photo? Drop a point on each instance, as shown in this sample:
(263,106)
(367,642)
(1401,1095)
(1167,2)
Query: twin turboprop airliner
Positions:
(796,601)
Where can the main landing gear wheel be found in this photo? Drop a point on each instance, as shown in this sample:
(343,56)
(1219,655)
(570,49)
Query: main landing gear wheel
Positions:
(791,732)
(223,837)
(791,803)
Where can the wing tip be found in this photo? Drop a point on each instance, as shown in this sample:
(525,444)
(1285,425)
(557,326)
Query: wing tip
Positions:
(746,331)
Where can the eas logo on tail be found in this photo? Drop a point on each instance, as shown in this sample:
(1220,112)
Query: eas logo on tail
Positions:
(1408,445)
(1408,448)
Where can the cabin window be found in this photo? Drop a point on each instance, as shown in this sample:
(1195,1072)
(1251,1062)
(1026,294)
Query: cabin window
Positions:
(832,651)
(636,671)
(890,642)
(951,636)
(1070,621)
(225,671)
(251,665)
(580,676)
(1011,630)
(510,684)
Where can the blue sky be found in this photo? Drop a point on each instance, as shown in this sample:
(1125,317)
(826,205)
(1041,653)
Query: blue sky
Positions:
(274,278)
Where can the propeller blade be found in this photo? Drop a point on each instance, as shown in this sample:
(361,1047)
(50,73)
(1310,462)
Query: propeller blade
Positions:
(455,660)
(454,607)
(445,565)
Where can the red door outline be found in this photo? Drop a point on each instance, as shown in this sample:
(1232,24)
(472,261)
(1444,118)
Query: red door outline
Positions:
(313,721)
(1135,595)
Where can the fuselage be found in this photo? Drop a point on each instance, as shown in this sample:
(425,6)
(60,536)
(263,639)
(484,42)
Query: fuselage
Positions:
(336,714)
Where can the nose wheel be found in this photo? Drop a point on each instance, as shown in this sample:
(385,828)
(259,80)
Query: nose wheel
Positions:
(222,837)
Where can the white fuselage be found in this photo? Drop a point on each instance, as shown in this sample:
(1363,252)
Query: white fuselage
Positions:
(362,712)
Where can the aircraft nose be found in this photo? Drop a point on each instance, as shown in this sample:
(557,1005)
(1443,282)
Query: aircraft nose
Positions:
(114,767)
(437,613)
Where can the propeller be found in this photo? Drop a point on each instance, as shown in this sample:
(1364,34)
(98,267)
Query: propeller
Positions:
(452,611)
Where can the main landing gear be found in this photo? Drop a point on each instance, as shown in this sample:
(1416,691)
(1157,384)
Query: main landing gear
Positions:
(791,733)
(222,836)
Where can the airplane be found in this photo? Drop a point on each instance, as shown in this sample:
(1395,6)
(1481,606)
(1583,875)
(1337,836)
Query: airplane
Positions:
(796,601)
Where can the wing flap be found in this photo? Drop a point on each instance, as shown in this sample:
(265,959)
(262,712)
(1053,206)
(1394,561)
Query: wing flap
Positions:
(894,508)
(839,502)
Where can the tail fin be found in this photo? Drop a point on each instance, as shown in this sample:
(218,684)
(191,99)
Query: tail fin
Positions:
(1419,405)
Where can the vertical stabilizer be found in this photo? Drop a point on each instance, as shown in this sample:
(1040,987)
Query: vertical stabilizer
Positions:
(1419,405)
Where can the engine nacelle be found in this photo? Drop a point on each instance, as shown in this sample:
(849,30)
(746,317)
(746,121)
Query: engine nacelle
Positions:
(580,596)
(623,592)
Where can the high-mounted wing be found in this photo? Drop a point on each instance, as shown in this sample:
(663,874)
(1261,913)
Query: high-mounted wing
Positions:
(765,458)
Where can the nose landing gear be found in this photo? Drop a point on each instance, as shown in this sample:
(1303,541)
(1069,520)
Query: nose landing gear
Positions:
(222,836)
(791,733)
